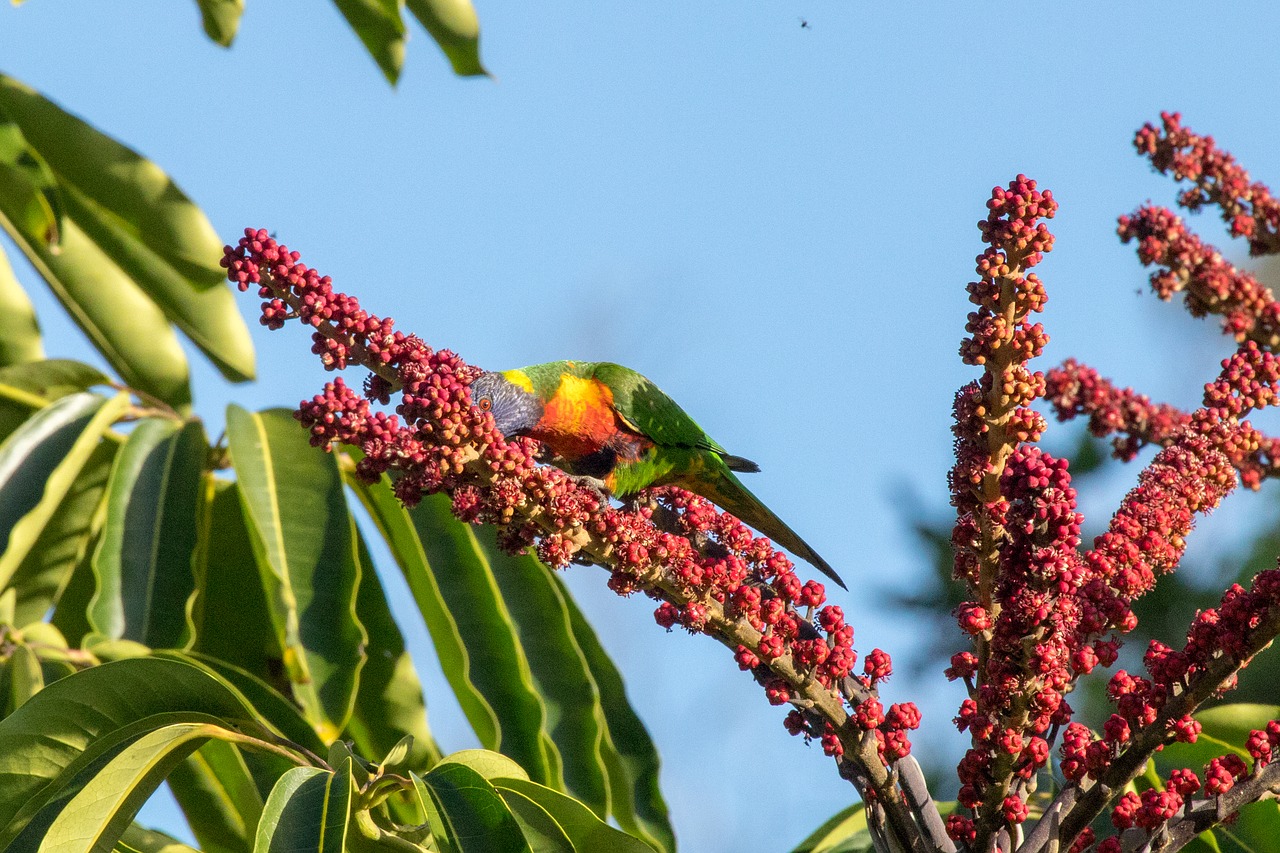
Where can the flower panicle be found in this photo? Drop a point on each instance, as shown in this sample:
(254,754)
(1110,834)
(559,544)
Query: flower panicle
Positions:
(1210,284)
(709,572)
(1247,206)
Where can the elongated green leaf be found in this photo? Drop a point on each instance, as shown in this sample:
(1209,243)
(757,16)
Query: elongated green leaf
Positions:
(397,529)
(628,751)
(456,28)
(466,813)
(575,819)
(90,716)
(844,832)
(230,591)
(307,811)
(209,316)
(63,543)
(389,704)
(559,667)
(38,464)
(138,193)
(219,798)
(143,560)
(221,19)
(500,668)
(381,29)
(135,254)
(106,805)
(19,330)
(121,321)
(300,521)
(29,196)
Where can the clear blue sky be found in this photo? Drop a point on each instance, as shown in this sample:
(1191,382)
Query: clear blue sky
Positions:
(775,223)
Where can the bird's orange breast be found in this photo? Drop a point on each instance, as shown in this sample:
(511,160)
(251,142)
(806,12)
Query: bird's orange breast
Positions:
(579,419)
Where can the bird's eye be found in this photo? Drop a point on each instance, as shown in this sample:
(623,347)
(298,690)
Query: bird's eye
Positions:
(485,404)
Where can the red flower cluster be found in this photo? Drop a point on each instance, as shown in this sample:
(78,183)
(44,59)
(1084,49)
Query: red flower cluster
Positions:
(1017,528)
(1212,285)
(1247,207)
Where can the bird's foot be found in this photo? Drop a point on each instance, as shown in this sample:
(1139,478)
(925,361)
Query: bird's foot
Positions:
(595,484)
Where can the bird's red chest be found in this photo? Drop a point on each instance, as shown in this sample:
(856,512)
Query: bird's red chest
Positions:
(578,420)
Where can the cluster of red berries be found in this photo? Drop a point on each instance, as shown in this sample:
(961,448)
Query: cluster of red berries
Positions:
(738,588)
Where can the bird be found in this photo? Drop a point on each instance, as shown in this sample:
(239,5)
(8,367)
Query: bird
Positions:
(613,427)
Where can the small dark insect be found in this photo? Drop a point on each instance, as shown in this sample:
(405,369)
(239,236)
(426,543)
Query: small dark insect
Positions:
(804,25)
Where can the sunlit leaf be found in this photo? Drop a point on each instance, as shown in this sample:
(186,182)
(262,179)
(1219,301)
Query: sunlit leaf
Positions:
(38,464)
(107,803)
(466,813)
(306,536)
(221,19)
(29,198)
(381,29)
(19,330)
(456,28)
(307,811)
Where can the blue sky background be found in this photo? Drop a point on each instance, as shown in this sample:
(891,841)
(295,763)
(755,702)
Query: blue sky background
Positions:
(775,223)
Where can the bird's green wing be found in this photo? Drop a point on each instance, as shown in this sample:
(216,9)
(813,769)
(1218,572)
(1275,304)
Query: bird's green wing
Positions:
(645,408)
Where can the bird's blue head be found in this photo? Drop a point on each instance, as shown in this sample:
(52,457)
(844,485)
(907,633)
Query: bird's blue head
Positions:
(509,398)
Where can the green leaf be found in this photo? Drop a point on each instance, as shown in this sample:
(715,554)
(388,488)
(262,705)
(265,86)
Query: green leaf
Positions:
(381,29)
(38,464)
(63,544)
(91,716)
(628,751)
(466,813)
(306,537)
(135,254)
(230,590)
(221,19)
(396,528)
(29,196)
(844,832)
(19,329)
(500,668)
(558,665)
(575,819)
(219,798)
(122,322)
(389,704)
(456,28)
(208,316)
(106,805)
(307,811)
(143,560)
(144,200)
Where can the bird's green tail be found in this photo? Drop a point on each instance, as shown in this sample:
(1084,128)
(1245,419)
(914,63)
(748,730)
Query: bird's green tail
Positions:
(727,492)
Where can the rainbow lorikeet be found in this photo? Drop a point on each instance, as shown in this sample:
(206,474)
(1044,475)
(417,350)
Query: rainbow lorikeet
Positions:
(610,424)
